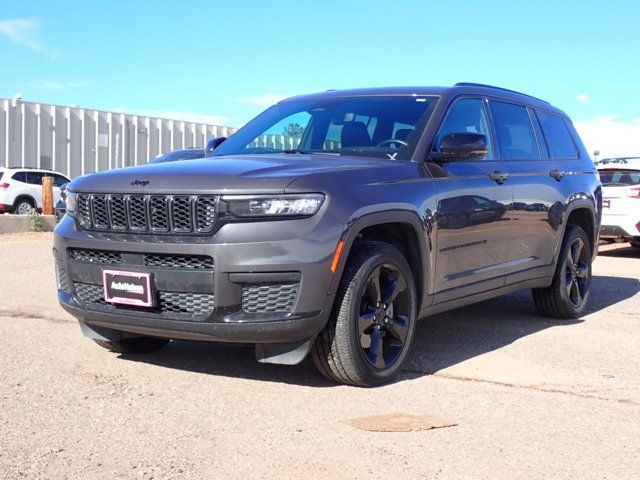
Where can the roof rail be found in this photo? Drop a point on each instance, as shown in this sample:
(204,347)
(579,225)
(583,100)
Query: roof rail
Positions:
(29,168)
(471,84)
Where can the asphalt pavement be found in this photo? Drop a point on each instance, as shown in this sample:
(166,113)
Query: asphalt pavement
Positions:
(532,398)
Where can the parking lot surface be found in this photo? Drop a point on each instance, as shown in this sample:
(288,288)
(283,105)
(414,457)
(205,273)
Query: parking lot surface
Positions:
(533,398)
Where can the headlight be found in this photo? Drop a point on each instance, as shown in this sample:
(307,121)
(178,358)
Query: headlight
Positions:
(71,201)
(274,205)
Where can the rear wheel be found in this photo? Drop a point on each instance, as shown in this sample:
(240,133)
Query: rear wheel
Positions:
(368,336)
(23,206)
(568,294)
(134,344)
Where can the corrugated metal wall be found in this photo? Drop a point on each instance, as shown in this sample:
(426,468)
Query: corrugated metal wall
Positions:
(75,141)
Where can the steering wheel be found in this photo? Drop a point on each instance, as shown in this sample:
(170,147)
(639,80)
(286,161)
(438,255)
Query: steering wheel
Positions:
(391,141)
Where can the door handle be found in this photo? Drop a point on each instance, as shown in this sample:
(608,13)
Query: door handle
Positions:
(557,174)
(499,177)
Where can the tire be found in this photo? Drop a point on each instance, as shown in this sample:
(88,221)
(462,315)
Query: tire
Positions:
(23,206)
(568,294)
(134,344)
(340,351)
(635,243)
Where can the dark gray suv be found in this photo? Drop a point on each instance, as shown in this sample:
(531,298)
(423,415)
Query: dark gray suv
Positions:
(332,222)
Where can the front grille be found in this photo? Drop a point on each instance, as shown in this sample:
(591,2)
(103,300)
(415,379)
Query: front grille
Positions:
(194,262)
(159,214)
(269,298)
(175,303)
(95,256)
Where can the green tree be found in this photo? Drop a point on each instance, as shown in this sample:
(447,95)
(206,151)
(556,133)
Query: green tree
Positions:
(293,130)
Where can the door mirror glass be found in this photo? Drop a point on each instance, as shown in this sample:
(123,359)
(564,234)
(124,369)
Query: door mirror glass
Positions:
(461,146)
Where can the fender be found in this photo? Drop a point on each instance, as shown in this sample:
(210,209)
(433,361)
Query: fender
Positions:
(355,226)
(575,202)
(27,197)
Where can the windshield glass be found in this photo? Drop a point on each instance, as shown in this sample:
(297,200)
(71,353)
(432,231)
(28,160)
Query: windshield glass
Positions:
(380,126)
(620,178)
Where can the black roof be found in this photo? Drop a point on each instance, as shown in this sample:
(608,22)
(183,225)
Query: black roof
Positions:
(457,89)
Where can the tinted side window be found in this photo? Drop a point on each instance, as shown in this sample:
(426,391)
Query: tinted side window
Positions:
(514,131)
(467,115)
(59,180)
(35,178)
(20,177)
(557,135)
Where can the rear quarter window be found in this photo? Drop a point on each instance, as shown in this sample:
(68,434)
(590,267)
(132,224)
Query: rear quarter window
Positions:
(20,177)
(556,133)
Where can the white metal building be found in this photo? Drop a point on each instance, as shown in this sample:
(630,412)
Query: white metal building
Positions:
(75,141)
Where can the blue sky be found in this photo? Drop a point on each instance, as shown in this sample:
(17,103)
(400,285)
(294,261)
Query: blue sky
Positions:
(226,61)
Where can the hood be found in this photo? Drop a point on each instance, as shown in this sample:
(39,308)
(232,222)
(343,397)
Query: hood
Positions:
(229,174)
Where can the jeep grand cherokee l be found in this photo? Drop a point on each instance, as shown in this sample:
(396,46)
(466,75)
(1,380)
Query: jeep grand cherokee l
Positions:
(332,222)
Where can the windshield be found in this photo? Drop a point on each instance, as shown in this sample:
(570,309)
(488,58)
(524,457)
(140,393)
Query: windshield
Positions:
(619,178)
(179,155)
(380,126)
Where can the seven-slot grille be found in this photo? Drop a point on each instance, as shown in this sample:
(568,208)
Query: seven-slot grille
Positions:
(159,214)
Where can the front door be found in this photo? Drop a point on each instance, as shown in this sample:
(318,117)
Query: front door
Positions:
(473,217)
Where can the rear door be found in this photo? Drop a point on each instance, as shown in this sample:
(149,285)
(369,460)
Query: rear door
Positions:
(473,217)
(18,186)
(541,183)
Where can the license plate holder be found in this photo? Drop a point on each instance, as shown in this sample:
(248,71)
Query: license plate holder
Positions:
(129,288)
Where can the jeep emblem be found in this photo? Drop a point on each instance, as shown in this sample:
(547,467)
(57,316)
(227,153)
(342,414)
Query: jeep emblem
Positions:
(140,183)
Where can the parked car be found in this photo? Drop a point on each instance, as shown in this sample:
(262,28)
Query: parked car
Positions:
(21,189)
(332,222)
(621,199)
(61,205)
(176,155)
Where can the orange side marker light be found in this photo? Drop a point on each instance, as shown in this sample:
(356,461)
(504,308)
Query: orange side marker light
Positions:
(336,256)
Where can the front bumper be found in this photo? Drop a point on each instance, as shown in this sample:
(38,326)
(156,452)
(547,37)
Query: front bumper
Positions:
(271,291)
(286,330)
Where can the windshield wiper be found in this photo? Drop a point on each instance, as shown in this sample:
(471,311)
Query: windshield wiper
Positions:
(308,152)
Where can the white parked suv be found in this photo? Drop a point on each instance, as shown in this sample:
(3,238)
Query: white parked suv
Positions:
(21,189)
(620,179)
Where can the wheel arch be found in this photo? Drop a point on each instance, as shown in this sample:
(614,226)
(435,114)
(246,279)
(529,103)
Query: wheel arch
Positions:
(400,228)
(25,196)
(581,212)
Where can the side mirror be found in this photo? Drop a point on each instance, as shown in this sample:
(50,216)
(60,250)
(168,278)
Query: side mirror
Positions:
(461,146)
(213,144)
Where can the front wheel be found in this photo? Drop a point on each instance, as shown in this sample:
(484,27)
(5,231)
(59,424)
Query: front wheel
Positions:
(372,325)
(568,294)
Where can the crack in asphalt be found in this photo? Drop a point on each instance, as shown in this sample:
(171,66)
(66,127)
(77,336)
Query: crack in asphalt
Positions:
(462,378)
(31,315)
